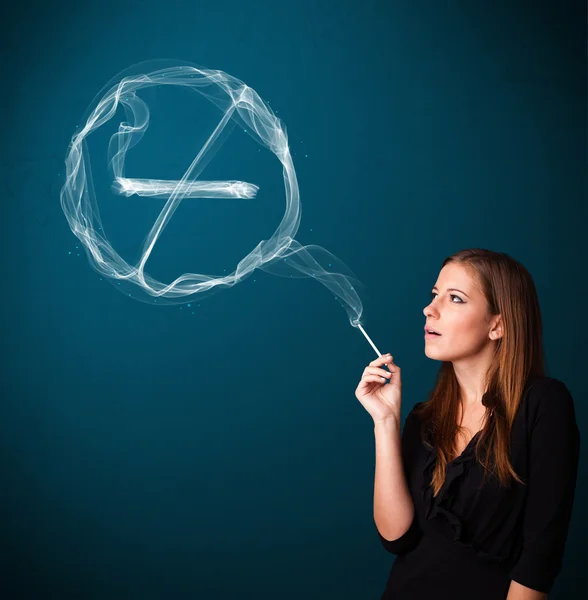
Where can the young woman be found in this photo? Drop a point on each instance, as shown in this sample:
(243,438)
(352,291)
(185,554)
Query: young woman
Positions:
(475,497)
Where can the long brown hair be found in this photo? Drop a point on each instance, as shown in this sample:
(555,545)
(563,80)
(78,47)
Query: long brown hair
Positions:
(510,292)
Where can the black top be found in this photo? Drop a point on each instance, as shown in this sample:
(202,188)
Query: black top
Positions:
(469,542)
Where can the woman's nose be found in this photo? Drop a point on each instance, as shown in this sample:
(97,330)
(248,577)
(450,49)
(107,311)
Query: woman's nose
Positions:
(428,310)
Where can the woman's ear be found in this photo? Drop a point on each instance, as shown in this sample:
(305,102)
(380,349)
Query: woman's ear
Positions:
(497,331)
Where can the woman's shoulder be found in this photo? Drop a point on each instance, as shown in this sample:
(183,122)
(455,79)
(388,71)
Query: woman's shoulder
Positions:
(413,418)
(542,388)
(542,382)
(547,397)
(414,411)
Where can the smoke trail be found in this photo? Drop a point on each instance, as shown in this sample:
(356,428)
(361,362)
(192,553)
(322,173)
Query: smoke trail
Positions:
(239,104)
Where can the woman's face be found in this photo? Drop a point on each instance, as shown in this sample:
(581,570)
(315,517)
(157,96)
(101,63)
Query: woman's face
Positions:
(460,315)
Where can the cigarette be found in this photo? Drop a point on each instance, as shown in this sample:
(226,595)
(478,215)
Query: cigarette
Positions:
(369,340)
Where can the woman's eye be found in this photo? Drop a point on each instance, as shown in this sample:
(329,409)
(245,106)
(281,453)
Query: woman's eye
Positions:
(451,295)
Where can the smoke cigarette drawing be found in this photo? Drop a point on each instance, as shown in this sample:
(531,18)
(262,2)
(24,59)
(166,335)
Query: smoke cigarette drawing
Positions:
(238,104)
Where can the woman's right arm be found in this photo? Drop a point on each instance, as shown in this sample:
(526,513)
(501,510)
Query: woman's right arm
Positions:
(380,392)
(393,505)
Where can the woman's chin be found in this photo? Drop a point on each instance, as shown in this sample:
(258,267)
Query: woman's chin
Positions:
(433,353)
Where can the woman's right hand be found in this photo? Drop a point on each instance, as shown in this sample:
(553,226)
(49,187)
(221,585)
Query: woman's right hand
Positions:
(382,401)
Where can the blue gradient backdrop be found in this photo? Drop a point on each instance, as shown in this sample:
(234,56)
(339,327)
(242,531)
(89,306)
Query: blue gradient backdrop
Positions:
(218,451)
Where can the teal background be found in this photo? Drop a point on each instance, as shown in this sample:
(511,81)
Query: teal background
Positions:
(218,451)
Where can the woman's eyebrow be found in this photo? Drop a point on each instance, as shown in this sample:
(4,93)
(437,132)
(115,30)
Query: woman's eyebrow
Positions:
(452,290)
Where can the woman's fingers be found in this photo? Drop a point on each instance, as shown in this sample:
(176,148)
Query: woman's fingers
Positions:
(381,360)
(374,373)
(377,371)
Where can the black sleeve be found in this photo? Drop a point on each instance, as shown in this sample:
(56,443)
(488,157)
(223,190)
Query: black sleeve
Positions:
(410,440)
(554,450)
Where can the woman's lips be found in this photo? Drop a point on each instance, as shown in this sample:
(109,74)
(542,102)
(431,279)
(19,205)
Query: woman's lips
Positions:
(431,336)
